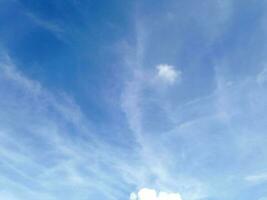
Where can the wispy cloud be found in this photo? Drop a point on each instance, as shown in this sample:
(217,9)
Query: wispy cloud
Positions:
(257,178)
(188,130)
(155,160)
(190,150)
(262,76)
(49,146)
(54,28)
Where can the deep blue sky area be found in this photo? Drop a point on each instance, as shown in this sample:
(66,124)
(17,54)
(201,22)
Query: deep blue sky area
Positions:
(86,31)
(133,100)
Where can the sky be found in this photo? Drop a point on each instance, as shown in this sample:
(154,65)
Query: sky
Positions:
(133,100)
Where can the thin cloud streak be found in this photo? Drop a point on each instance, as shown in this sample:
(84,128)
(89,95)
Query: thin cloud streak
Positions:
(61,157)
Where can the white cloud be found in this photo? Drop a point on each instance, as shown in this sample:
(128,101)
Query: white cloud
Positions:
(151,194)
(147,194)
(168,73)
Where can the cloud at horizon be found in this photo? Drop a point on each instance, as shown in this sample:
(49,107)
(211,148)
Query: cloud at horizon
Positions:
(150,194)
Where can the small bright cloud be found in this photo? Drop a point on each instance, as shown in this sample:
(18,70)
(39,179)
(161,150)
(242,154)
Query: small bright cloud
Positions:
(168,73)
(151,194)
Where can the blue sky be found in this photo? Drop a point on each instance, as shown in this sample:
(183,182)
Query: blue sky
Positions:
(133,100)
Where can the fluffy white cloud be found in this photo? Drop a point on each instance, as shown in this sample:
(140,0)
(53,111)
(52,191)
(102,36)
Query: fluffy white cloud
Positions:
(168,73)
(151,194)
